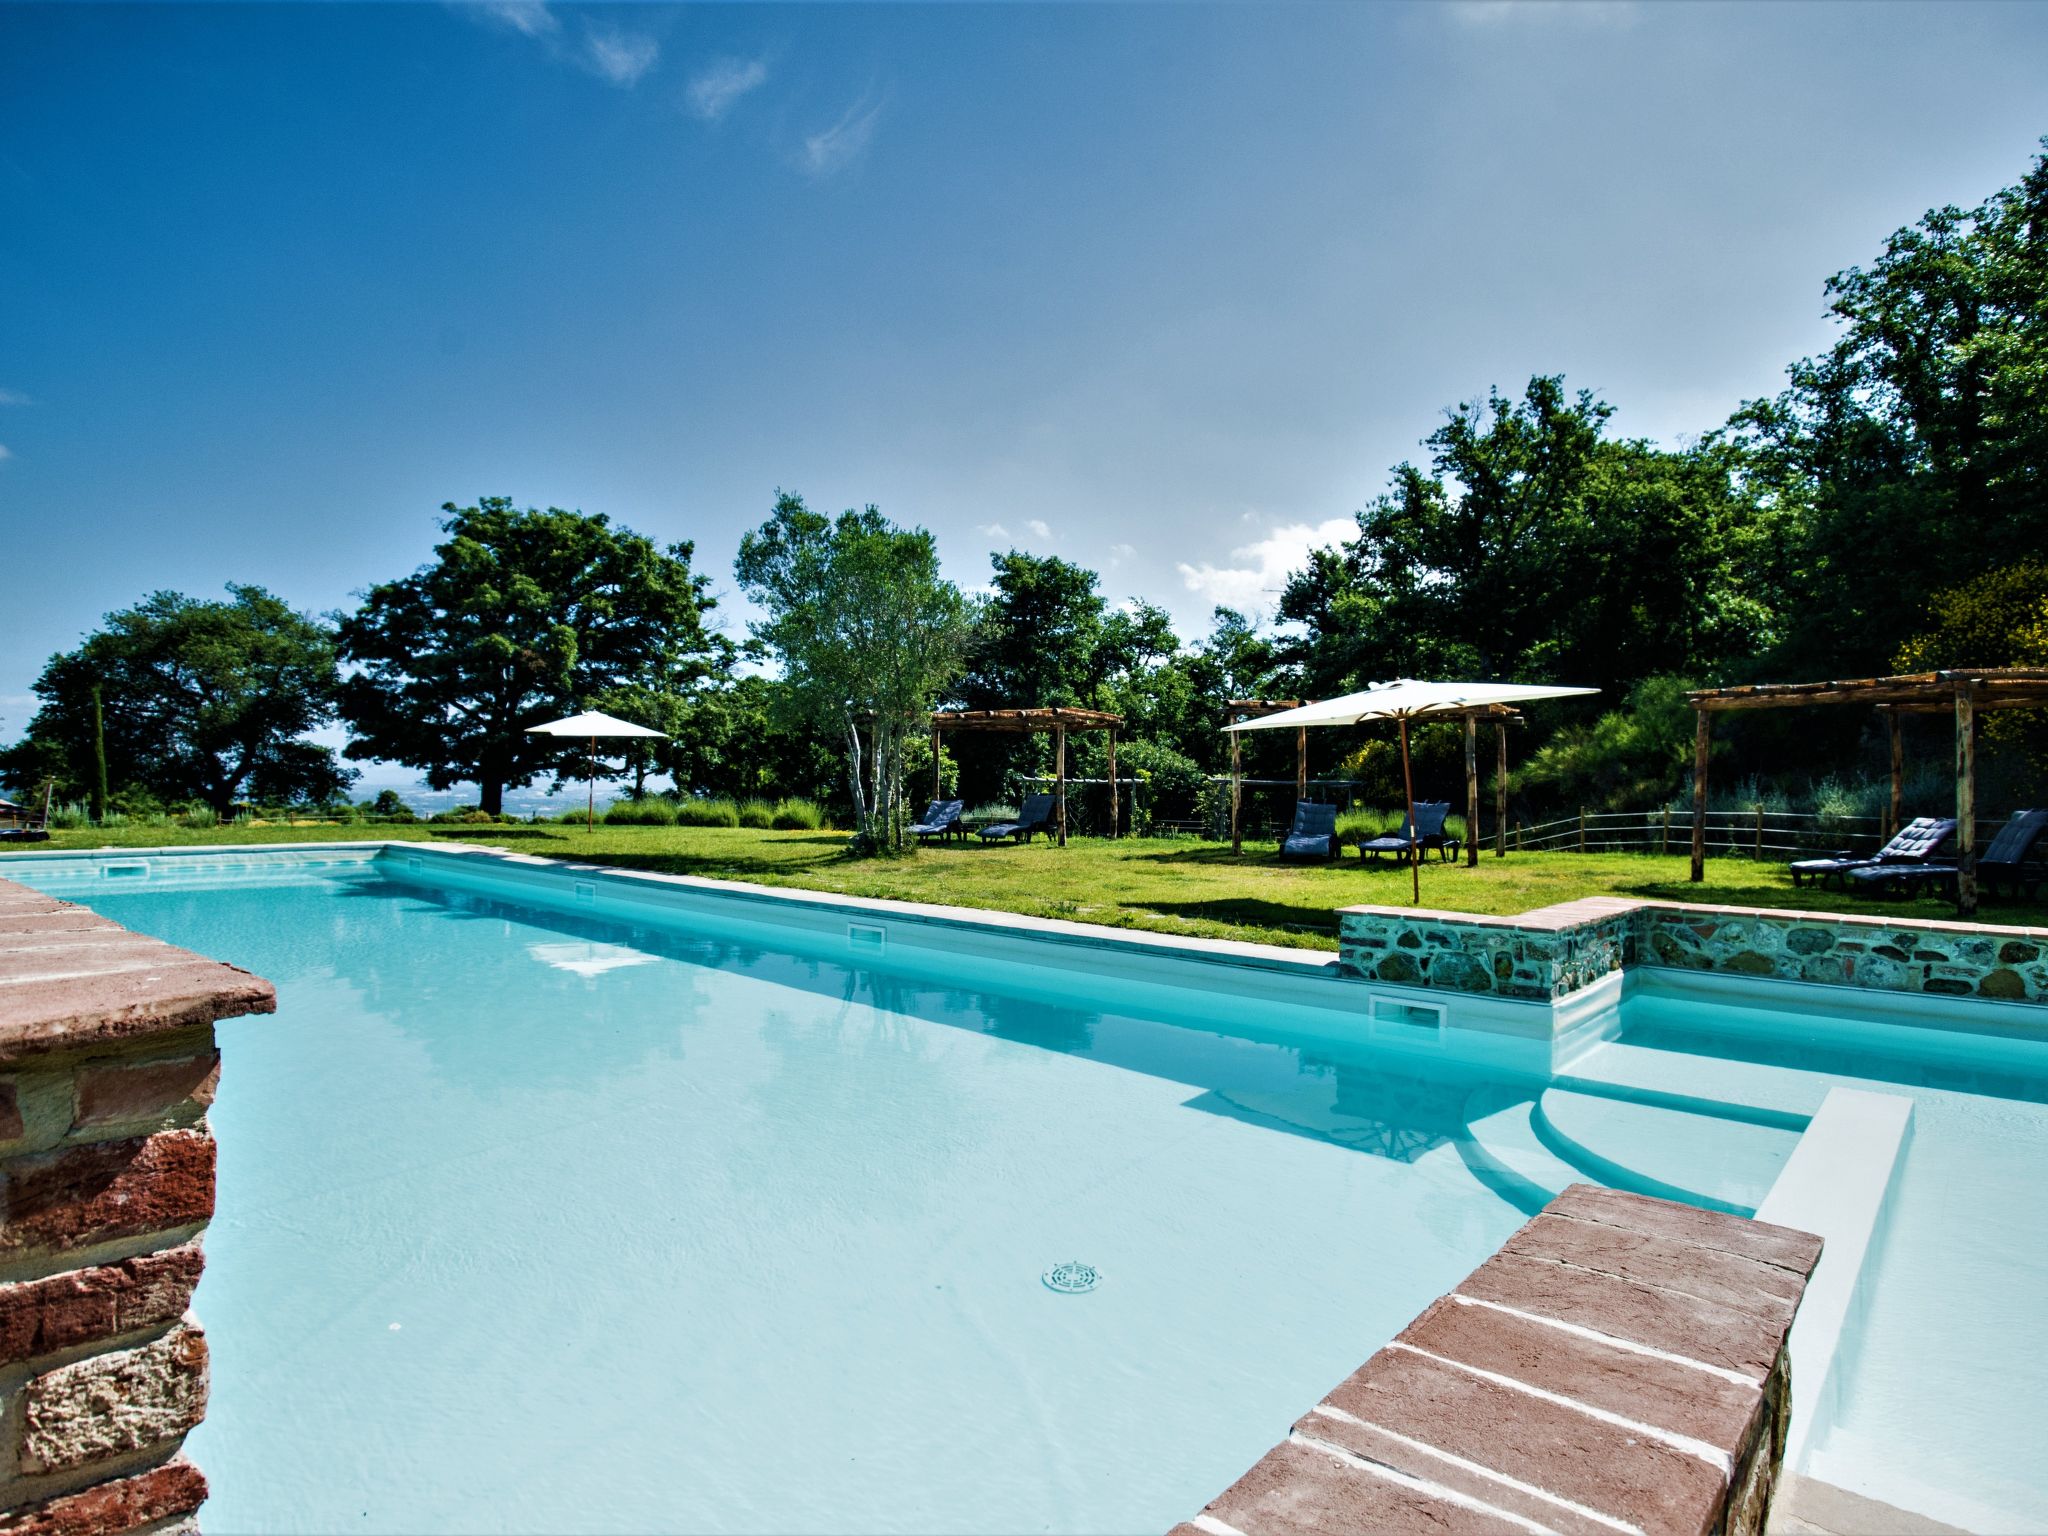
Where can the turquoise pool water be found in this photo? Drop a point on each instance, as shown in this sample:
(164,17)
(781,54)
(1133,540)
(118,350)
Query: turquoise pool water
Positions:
(539,1220)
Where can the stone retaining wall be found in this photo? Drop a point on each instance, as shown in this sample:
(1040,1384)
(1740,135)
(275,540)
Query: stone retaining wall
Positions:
(1553,952)
(1620,1364)
(107,1067)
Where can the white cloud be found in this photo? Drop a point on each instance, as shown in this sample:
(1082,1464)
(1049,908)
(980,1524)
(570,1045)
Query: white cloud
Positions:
(620,57)
(5,453)
(1039,529)
(1119,553)
(835,148)
(992,530)
(529,18)
(14,397)
(712,93)
(1256,573)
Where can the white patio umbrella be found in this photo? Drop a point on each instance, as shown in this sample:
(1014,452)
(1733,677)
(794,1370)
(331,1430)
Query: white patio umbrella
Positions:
(1403,700)
(593,725)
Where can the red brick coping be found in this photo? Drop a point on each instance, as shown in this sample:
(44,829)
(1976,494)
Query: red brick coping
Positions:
(1619,1366)
(107,1066)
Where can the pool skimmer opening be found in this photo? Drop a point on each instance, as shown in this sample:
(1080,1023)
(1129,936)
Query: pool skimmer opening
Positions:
(1072,1278)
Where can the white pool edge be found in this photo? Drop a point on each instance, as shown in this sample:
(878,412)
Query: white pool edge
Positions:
(1835,1185)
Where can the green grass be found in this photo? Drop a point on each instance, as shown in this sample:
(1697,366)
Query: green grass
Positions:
(1163,885)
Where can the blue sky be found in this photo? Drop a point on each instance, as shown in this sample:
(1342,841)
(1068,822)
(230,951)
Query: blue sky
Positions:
(1164,290)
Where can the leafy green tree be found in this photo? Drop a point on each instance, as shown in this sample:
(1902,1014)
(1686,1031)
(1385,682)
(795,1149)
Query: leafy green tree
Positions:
(742,739)
(1040,637)
(1913,454)
(1537,548)
(868,635)
(2000,620)
(204,700)
(520,617)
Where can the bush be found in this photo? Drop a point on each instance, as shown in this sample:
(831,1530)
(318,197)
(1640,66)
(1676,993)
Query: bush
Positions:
(464,815)
(647,811)
(756,813)
(390,805)
(199,814)
(792,813)
(70,816)
(699,811)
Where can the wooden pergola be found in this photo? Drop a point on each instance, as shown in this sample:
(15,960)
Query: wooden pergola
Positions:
(1499,714)
(1058,719)
(1258,709)
(1969,692)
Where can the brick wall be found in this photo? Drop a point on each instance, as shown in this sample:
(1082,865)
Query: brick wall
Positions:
(107,1067)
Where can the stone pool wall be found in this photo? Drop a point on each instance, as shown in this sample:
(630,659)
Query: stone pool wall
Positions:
(1553,952)
(107,1067)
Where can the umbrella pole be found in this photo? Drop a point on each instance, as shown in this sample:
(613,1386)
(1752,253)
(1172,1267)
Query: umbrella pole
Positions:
(590,804)
(1414,850)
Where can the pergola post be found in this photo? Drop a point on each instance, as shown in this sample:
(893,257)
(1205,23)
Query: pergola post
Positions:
(1300,764)
(1236,790)
(1471,791)
(1408,831)
(936,788)
(1500,790)
(1966,802)
(1897,734)
(1113,823)
(1059,769)
(1702,738)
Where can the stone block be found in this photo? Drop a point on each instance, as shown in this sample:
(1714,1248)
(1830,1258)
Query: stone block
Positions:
(173,1491)
(11,1126)
(74,1196)
(113,1404)
(102,1302)
(121,1093)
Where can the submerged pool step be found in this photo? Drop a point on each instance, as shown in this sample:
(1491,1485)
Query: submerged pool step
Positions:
(1718,1161)
(1505,1153)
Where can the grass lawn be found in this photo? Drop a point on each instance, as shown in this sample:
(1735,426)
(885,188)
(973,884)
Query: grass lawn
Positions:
(1165,885)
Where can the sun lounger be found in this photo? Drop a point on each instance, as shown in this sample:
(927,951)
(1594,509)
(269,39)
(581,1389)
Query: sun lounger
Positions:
(2008,862)
(941,819)
(23,824)
(1034,816)
(1915,843)
(1415,838)
(1314,835)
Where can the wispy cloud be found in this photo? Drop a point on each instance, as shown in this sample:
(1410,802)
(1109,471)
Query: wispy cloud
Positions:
(619,56)
(1256,572)
(712,92)
(14,397)
(835,148)
(529,18)
(6,453)
(611,53)
(1569,13)
(1119,553)
(992,530)
(1039,528)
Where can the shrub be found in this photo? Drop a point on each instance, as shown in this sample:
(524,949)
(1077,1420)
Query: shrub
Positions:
(756,813)
(199,814)
(390,805)
(70,816)
(701,811)
(464,815)
(792,813)
(647,811)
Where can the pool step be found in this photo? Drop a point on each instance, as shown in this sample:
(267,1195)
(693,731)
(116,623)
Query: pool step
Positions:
(1505,1153)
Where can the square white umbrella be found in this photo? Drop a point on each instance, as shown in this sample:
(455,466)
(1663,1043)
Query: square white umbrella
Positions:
(1403,700)
(591,724)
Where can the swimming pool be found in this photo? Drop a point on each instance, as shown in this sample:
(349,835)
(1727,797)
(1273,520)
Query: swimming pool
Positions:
(541,1211)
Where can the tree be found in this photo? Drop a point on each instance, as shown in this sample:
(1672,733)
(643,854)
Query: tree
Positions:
(202,699)
(1913,454)
(868,635)
(2000,620)
(1536,547)
(520,617)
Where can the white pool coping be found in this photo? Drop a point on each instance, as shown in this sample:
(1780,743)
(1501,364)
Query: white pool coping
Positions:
(1835,1185)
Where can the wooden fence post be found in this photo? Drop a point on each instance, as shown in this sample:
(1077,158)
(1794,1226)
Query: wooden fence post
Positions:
(1582,829)
(1665,848)
(1702,739)
(1759,832)
(1236,790)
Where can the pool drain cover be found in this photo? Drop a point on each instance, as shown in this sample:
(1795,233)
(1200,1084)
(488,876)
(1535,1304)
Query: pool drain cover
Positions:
(1071,1278)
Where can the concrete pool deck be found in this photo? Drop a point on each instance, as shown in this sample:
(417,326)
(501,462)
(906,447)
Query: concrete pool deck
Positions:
(107,1067)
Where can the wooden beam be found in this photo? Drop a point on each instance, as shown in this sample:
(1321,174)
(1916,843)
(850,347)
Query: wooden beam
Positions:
(1898,743)
(937,788)
(1113,824)
(1471,791)
(1059,768)
(1500,790)
(1236,790)
(1408,831)
(1702,739)
(1966,801)
(1300,764)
